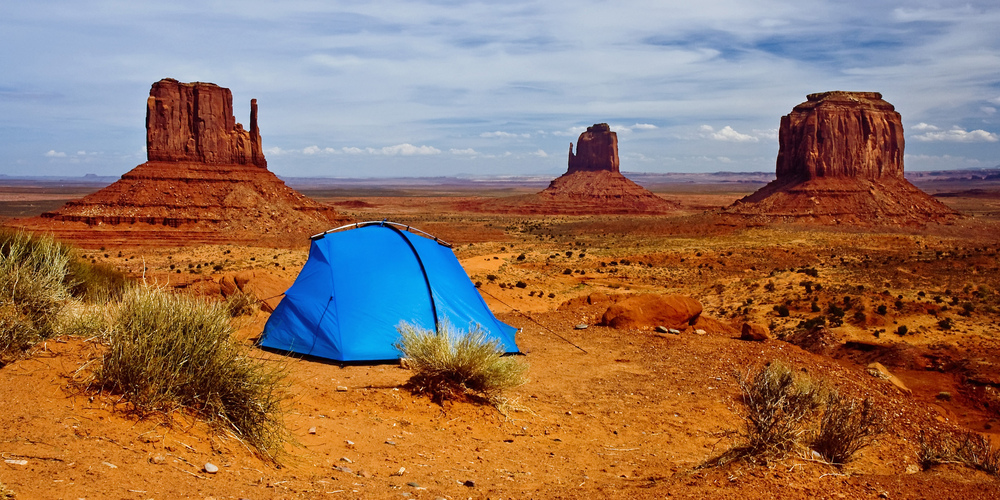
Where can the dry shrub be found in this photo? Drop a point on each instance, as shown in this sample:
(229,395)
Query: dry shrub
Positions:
(240,303)
(169,351)
(96,282)
(848,425)
(777,406)
(452,364)
(968,448)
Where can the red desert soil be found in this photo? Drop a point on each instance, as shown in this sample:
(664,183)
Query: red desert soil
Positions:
(626,414)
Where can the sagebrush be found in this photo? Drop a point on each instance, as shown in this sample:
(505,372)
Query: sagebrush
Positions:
(967,448)
(168,351)
(847,426)
(450,364)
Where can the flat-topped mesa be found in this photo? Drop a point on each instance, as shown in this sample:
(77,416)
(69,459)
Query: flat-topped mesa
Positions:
(841,134)
(596,150)
(194,122)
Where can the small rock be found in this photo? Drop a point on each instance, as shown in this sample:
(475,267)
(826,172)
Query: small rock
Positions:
(944,396)
(700,332)
(345,459)
(312,430)
(343,469)
(109,464)
(470,483)
(673,331)
(364,473)
(878,370)
(158,459)
(413,484)
(400,472)
(211,468)
(662,329)
(390,442)
(754,332)
(912,469)
(341,388)
(349,443)
(18,462)
(582,326)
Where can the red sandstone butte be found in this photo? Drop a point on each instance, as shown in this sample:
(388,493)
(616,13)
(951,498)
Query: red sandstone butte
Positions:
(592,184)
(840,160)
(206,181)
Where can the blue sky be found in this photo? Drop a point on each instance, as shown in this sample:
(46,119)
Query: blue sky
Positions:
(451,87)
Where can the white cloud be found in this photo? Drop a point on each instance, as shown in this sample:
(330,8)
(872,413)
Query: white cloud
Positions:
(464,152)
(988,110)
(995,100)
(573,132)
(312,150)
(502,134)
(726,134)
(55,154)
(540,154)
(644,126)
(406,149)
(957,134)
(925,126)
(352,151)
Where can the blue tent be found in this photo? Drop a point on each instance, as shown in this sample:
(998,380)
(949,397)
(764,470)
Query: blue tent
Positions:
(360,283)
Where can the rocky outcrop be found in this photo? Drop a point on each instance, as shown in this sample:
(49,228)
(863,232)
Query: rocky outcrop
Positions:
(841,134)
(206,181)
(194,122)
(596,150)
(650,310)
(592,184)
(840,161)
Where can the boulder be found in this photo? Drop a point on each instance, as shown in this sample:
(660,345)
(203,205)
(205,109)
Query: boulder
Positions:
(755,332)
(650,310)
(879,371)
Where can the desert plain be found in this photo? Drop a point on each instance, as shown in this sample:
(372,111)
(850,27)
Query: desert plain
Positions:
(616,413)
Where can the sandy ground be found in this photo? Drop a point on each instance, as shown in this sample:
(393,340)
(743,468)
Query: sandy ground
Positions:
(612,413)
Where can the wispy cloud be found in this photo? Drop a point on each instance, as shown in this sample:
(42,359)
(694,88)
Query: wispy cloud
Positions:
(504,135)
(957,134)
(55,154)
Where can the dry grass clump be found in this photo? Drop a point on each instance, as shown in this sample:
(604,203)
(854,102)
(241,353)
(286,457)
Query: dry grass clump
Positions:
(784,410)
(452,364)
(968,448)
(240,303)
(847,426)
(167,351)
(777,404)
(32,290)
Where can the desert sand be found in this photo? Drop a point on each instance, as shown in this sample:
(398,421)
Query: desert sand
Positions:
(607,412)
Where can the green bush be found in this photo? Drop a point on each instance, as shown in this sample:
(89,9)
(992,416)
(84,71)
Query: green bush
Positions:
(453,364)
(32,290)
(167,351)
(847,426)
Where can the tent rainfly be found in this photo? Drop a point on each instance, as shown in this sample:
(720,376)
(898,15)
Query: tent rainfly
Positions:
(361,281)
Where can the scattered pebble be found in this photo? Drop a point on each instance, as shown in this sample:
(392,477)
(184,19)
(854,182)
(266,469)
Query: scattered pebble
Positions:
(413,484)
(364,473)
(700,332)
(312,430)
(349,443)
(158,459)
(211,468)
(582,326)
(109,464)
(470,483)
(343,469)
(390,442)
(345,459)
(400,472)
(19,462)
(341,388)
(944,396)
(674,331)
(662,329)
(912,469)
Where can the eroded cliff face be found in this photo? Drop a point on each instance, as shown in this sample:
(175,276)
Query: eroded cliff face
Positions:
(840,161)
(841,134)
(596,150)
(194,122)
